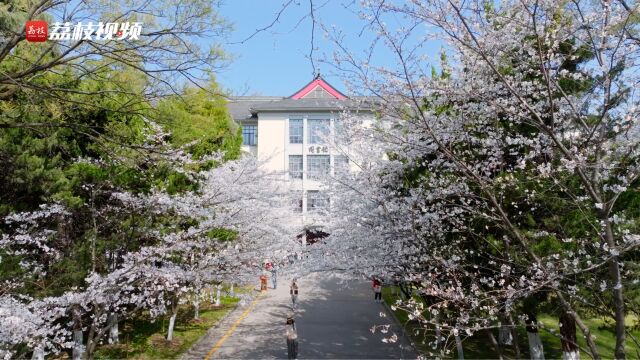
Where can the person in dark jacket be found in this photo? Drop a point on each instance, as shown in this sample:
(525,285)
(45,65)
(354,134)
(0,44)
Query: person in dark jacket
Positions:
(293,291)
(292,338)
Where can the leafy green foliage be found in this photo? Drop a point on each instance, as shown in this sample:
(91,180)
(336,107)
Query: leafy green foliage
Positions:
(222,234)
(199,120)
(77,154)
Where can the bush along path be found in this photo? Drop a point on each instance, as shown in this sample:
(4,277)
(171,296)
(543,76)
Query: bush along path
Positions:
(142,338)
(207,344)
(481,346)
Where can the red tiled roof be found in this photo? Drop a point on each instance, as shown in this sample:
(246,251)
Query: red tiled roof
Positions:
(318,81)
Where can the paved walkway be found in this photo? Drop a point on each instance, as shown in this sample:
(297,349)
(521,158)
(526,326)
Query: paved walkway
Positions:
(333,321)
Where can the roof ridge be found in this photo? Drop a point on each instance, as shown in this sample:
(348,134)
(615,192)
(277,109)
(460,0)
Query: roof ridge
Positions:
(318,81)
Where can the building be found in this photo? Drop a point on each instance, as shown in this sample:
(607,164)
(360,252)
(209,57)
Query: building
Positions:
(291,133)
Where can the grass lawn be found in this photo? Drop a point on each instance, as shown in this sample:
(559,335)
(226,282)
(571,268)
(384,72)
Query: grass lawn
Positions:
(479,346)
(143,339)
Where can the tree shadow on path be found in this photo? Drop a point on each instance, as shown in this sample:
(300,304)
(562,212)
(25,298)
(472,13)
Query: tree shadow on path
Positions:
(333,319)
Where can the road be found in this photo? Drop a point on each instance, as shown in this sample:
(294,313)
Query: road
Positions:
(334,318)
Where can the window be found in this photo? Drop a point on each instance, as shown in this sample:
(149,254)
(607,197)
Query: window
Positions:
(249,134)
(317,200)
(295,166)
(342,131)
(339,127)
(317,166)
(319,93)
(341,164)
(296,201)
(318,131)
(295,131)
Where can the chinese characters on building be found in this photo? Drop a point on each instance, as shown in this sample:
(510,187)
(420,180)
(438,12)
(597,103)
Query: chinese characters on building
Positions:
(318,149)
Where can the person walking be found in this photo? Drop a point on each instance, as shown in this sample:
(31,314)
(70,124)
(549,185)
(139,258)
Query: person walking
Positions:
(377,290)
(292,338)
(293,290)
(274,275)
(263,281)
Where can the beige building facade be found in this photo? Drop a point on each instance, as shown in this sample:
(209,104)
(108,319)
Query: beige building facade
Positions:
(293,135)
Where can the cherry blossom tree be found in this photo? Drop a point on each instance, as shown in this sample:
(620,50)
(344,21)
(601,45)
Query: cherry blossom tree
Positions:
(505,175)
(217,232)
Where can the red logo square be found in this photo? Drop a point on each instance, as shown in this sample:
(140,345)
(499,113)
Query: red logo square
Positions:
(36,30)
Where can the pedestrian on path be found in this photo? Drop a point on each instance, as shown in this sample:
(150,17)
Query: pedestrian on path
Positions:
(293,290)
(274,275)
(377,290)
(292,338)
(263,281)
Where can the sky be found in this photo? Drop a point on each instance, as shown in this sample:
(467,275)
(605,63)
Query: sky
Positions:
(276,61)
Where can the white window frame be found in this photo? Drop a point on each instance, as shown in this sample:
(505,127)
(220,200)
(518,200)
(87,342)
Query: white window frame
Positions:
(312,137)
(315,174)
(313,197)
(255,135)
(295,120)
(341,164)
(298,173)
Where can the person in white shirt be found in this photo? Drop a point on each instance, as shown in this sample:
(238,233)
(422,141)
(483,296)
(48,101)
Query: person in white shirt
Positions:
(292,338)
(293,291)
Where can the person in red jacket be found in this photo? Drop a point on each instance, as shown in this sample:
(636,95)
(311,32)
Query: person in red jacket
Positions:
(377,290)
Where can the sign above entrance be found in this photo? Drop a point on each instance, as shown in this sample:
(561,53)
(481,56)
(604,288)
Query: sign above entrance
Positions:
(319,149)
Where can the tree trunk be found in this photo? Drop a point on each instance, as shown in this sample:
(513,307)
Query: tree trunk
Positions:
(172,319)
(514,334)
(172,322)
(568,339)
(91,341)
(536,349)
(78,347)
(95,332)
(583,327)
(38,353)
(196,309)
(218,287)
(618,296)
(231,292)
(505,337)
(436,319)
(459,348)
(113,329)
(495,344)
